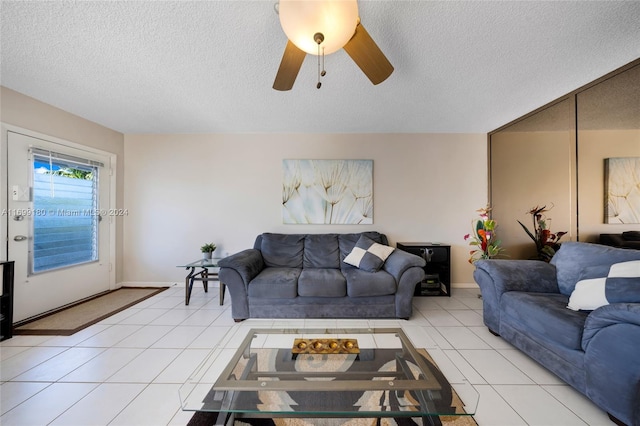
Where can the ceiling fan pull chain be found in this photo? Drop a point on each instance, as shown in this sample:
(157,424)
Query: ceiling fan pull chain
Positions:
(324,72)
(319,73)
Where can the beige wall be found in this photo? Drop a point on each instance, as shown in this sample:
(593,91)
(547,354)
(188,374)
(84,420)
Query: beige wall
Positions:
(185,190)
(25,112)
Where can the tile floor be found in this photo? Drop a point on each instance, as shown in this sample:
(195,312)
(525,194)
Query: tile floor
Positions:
(127,369)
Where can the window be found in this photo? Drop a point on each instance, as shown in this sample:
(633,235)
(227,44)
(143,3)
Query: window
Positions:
(65,211)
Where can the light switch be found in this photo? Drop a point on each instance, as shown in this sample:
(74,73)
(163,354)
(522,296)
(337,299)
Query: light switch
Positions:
(20,193)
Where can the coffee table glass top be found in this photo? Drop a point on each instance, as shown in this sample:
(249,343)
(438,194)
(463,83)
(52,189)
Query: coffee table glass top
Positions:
(202,263)
(328,372)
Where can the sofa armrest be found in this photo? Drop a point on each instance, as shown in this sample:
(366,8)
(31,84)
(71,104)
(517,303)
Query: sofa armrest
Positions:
(611,339)
(247,263)
(609,315)
(498,276)
(408,270)
(236,272)
(399,261)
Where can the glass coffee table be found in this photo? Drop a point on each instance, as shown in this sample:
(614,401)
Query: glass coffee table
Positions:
(345,373)
(203,275)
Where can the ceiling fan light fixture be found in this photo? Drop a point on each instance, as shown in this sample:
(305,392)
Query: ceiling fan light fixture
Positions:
(336,20)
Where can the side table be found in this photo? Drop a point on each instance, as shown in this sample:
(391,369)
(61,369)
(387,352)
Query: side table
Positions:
(204,275)
(437,280)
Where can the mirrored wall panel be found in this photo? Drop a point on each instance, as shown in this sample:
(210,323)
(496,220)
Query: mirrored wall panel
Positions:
(570,157)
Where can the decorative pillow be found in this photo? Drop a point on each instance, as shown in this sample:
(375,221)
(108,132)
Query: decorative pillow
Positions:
(621,285)
(368,255)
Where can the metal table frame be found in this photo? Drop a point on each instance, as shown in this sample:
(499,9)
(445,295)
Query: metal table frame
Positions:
(203,275)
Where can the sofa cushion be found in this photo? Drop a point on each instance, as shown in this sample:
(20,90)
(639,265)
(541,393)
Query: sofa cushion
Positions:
(325,282)
(321,251)
(282,250)
(574,257)
(362,283)
(275,283)
(544,315)
(620,285)
(346,242)
(368,255)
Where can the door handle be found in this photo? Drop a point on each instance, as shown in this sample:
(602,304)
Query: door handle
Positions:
(19,238)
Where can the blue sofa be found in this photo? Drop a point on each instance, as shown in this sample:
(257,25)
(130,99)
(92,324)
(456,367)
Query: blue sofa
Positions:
(304,276)
(598,351)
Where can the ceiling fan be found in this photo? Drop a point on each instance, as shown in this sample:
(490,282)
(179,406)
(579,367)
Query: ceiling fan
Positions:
(321,27)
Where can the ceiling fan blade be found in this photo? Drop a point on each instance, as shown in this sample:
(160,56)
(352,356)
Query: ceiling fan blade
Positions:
(289,67)
(368,56)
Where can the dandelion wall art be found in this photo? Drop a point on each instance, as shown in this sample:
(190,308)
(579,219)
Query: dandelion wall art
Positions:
(327,191)
(622,193)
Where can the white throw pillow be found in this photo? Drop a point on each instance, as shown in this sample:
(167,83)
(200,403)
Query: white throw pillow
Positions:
(368,255)
(590,294)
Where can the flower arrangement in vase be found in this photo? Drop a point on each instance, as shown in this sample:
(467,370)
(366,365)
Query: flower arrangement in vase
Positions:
(483,237)
(547,243)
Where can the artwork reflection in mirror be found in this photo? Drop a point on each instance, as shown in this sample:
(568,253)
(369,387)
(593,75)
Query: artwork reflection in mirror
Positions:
(622,180)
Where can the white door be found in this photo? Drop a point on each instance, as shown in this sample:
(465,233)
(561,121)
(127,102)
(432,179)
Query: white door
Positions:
(57,223)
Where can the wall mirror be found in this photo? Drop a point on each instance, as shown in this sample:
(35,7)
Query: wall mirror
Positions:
(555,157)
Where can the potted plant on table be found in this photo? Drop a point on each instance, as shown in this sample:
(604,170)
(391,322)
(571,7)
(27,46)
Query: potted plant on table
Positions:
(547,243)
(207,250)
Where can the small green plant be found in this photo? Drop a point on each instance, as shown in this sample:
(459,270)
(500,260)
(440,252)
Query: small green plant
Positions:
(208,248)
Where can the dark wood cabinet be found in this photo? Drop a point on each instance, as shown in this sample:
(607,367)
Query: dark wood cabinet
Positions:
(6,301)
(437,280)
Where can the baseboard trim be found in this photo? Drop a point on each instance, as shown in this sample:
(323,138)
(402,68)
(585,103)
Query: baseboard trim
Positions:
(465,285)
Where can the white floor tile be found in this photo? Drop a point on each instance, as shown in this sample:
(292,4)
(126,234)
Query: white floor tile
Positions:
(467,317)
(142,317)
(183,366)
(462,338)
(464,367)
(110,336)
(15,393)
(101,405)
(172,317)
(450,303)
(27,360)
(493,410)
(103,366)
(209,338)
(441,318)
(536,406)
(145,336)
(60,365)
(155,405)
(496,342)
(419,336)
(579,404)
(145,367)
(7,352)
(202,318)
(494,368)
(76,338)
(179,337)
(45,406)
(531,368)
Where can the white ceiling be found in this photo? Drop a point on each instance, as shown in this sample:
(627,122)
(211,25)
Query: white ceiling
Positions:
(208,66)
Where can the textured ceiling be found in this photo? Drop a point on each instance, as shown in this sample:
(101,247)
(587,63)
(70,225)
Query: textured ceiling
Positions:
(208,66)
